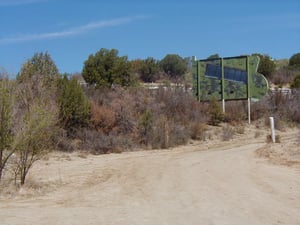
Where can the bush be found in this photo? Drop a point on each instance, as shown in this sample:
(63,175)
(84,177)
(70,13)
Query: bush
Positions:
(146,127)
(160,118)
(99,143)
(107,69)
(215,113)
(74,107)
(296,81)
(259,109)
(179,135)
(284,107)
(227,133)
(103,118)
(295,60)
(198,131)
(236,112)
(282,76)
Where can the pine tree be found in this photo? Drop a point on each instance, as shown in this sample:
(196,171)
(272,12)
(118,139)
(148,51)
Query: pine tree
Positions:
(74,107)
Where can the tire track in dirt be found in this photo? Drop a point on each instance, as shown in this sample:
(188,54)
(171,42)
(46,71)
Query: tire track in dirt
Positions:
(197,184)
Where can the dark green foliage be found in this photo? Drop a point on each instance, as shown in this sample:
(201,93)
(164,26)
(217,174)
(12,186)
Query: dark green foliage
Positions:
(106,68)
(74,107)
(296,81)
(146,123)
(266,65)
(42,65)
(295,60)
(149,70)
(173,65)
(214,56)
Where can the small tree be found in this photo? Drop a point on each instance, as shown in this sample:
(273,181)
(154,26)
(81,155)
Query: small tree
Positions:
(106,68)
(6,135)
(41,64)
(34,139)
(149,70)
(173,65)
(74,107)
(295,60)
(266,65)
(34,124)
(35,113)
(296,81)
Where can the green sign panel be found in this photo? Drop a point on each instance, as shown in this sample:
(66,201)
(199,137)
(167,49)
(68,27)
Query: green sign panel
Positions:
(233,78)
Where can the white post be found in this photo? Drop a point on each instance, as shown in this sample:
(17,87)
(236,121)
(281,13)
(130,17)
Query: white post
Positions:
(272,129)
(223,105)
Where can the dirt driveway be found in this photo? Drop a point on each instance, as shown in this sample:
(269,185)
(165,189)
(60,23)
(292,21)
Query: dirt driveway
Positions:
(226,184)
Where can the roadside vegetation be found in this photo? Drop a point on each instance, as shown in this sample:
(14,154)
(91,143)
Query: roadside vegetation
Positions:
(109,109)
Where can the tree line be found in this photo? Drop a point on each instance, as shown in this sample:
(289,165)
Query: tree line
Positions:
(106,68)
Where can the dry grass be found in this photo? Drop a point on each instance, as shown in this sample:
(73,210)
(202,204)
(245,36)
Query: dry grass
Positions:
(286,150)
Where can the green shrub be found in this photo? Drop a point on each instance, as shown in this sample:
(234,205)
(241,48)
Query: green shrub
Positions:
(146,127)
(74,107)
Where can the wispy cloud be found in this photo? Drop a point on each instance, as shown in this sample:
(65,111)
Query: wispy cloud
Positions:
(19,2)
(69,32)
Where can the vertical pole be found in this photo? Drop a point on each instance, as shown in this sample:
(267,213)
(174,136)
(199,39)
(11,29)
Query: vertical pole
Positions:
(249,110)
(198,79)
(195,78)
(223,85)
(272,129)
(248,90)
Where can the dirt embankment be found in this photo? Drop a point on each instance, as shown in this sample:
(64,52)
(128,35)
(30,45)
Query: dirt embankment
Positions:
(202,183)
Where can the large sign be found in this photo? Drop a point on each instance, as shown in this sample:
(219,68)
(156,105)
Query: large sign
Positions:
(233,78)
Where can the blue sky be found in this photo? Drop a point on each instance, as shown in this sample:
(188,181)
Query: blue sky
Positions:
(71,30)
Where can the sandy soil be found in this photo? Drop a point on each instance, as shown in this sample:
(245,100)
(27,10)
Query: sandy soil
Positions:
(202,183)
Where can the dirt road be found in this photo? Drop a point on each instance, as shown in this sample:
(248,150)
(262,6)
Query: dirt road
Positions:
(184,186)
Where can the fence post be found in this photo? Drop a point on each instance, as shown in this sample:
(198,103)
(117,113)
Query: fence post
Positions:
(272,129)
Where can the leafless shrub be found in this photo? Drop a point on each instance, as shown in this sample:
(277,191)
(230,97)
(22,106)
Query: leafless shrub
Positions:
(158,118)
(227,133)
(103,118)
(259,109)
(100,143)
(236,112)
(239,129)
(292,109)
(284,107)
(161,133)
(282,76)
(65,145)
(179,135)
(198,131)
